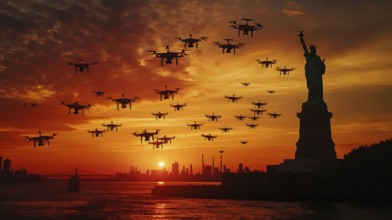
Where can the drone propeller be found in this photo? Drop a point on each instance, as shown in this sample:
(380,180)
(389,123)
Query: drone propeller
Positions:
(247,19)
(259,25)
(233,22)
(228,39)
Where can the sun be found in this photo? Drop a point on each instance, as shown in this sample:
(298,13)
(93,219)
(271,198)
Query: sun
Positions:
(161,164)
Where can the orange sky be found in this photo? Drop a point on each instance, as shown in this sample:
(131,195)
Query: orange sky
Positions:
(38,39)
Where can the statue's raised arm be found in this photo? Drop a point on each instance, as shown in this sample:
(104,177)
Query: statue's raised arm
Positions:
(301,38)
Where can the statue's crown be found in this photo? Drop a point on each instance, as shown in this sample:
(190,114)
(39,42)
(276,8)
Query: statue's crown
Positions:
(313,46)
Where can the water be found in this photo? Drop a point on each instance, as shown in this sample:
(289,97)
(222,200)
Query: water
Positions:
(114,200)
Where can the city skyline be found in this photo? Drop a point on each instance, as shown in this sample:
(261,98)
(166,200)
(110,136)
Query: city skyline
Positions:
(41,38)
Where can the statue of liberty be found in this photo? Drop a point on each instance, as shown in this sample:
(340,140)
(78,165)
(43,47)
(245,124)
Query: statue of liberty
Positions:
(314,69)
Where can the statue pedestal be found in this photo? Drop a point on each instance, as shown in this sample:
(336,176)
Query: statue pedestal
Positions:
(315,147)
(315,141)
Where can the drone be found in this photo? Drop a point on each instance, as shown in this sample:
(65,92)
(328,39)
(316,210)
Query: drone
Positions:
(243,142)
(271,91)
(99,93)
(147,135)
(225,129)
(96,132)
(226,48)
(209,137)
(191,41)
(165,139)
(76,107)
(166,93)
(40,139)
(124,101)
(157,144)
(245,84)
(258,111)
(233,98)
(266,62)
(111,126)
(254,118)
(81,65)
(284,70)
(168,55)
(245,28)
(195,126)
(253,126)
(240,117)
(213,117)
(160,115)
(178,107)
(30,104)
(274,115)
(259,104)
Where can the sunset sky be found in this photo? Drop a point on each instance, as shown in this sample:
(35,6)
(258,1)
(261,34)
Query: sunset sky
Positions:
(39,38)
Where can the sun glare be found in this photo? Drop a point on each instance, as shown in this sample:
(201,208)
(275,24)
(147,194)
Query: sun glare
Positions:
(161,164)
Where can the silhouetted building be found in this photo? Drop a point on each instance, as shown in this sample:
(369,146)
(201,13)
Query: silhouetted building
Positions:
(191,170)
(240,168)
(216,171)
(7,166)
(175,169)
(158,174)
(207,170)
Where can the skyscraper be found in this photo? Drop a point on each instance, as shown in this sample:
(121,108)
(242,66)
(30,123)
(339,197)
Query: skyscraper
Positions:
(175,169)
(7,166)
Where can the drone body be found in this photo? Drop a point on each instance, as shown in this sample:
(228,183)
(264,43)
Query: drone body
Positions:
(111,126)
(168,56)
(160,115)
(274,115)
(190,42)
(167,93)
(266,62)
(178,107)
(246,27)
(146,135)
(40,139)
(123,101)
(284,71)
(233,98)
(76,107)
(209,137)
(252,126)
(81,65)
(96,132)
(213,117)
(240,117)
(225,129)
(195,126)
(99,93)
(228,47)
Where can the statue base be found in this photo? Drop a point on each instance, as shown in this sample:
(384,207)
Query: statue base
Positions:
(315,147)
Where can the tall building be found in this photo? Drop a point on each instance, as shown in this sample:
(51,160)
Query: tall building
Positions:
(240,168)
(207,170)
(191,170)
(7,166)
(175,168)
